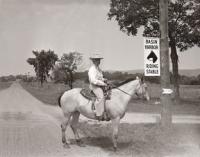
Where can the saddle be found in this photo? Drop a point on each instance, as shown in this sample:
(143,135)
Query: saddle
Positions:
(89,94)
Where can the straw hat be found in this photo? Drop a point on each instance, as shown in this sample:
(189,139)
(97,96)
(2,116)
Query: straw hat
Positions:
(96,56)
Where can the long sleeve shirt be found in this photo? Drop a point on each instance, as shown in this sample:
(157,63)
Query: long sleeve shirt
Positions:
(96,76)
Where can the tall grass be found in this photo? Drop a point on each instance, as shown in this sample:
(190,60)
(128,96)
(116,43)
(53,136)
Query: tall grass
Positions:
(4,85)
(49,92)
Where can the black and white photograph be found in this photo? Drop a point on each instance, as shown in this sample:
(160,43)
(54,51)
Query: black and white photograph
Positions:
(99,78)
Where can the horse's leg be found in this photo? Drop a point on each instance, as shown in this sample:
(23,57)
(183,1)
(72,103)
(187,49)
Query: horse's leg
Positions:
(63,128)
(74,125)
(115,127)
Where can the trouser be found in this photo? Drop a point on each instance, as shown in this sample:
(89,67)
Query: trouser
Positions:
(99,103)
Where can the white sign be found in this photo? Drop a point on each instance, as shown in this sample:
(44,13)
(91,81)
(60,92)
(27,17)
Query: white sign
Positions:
(151,57)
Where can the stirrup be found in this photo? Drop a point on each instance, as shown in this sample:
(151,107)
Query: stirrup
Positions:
(106,117)
(99,118)
(103,117)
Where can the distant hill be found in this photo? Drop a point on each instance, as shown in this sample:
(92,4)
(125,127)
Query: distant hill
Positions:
(190,72)
(186,72)
(135,71)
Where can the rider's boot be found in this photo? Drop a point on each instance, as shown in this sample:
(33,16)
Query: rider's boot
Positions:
(105,116)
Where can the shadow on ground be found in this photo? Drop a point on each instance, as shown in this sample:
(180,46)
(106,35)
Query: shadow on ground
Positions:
(141,140)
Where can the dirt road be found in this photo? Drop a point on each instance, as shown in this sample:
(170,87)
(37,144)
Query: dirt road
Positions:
(28,128)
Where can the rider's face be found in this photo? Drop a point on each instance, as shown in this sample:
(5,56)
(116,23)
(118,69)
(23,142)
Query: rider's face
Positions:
(96,62)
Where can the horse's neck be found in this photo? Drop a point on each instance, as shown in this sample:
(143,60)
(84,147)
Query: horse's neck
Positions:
(129,87)
(128,90)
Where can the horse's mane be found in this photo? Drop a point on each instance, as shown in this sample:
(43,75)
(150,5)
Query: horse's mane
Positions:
(118,84)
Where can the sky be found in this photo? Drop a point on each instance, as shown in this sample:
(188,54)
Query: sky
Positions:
(67,26)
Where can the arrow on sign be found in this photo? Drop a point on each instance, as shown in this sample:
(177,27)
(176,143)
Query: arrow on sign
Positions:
(152,56)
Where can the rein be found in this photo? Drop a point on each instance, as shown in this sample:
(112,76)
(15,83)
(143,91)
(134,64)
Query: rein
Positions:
(123,91)
(114,87)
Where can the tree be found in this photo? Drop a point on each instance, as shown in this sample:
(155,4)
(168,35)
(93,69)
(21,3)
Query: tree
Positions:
(43,62)
(58,75)
(183,23)
(67,65)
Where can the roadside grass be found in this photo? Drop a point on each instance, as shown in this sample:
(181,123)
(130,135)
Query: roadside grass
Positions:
(4,85)
(49,92)
(141,140)
(188,104)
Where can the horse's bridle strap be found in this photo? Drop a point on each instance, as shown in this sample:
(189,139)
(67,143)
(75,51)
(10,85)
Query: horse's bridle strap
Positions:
(123,91)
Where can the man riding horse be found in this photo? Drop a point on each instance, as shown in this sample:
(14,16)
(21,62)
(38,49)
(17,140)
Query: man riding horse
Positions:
(74,104)
(97,83)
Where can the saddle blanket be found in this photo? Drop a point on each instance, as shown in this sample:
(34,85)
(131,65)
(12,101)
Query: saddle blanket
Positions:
(88,94)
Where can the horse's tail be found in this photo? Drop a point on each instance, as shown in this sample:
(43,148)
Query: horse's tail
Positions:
(59,99)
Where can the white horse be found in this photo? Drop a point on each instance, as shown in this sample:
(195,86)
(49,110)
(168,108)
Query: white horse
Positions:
(73,104)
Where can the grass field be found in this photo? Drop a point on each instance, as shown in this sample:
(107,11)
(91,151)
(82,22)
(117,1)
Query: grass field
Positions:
(49,92)
(4,85)
(189,102)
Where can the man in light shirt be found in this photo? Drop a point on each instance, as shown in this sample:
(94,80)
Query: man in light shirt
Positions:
(97,81)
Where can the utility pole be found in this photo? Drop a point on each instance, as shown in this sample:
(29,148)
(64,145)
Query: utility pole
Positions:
(166,100)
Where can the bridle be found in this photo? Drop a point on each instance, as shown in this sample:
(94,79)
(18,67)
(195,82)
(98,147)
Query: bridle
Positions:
(123,91)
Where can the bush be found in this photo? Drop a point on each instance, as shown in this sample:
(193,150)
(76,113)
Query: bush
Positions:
(7,78)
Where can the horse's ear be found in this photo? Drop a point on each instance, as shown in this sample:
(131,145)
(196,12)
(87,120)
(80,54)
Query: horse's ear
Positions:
(142,79)
(145,85)
(137,78)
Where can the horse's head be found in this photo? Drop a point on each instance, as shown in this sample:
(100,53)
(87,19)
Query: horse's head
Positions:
(142,89)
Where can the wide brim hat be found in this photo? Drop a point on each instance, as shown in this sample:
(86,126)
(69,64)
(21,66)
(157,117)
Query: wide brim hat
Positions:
(96,56)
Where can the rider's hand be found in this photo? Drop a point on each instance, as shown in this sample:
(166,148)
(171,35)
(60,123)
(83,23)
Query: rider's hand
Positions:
(105,84)
(105,80)
(109,83)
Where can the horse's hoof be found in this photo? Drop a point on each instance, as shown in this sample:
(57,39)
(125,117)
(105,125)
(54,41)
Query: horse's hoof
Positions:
(115,149)
(80,143)
(63,141)
(66,146)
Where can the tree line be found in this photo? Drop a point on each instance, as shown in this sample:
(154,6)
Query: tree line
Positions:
(112,76)
(47,65)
